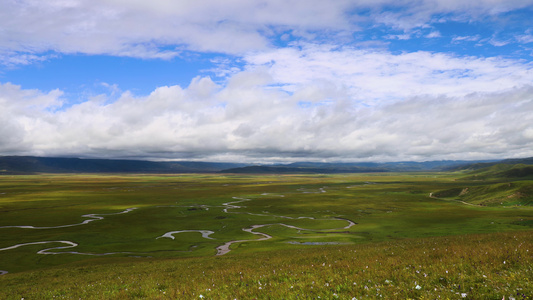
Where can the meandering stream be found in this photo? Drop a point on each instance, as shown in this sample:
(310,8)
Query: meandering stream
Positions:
(205,234)
(69,245)
(93,217)
(223,249)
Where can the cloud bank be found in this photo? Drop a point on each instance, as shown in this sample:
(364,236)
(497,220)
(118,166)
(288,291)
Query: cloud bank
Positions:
(300,103)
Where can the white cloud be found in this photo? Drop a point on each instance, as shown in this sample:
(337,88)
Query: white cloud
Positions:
(525,38)
(474,38)
(497,42)
(372,76)
(18,109)
(434,34)
(314,102)
(401,37)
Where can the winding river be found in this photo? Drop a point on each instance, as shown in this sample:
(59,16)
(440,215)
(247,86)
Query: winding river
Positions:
(205,234)
(93,217)
(69,245)
(223,249)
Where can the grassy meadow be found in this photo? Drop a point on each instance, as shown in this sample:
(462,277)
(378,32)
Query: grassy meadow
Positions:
(381,235)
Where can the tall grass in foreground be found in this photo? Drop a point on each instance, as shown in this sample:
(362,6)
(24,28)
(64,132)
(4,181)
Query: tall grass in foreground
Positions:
(487,266)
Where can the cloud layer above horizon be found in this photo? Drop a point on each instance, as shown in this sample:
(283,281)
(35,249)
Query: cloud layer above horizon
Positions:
(275,81)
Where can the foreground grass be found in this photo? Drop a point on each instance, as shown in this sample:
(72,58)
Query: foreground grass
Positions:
(484,266)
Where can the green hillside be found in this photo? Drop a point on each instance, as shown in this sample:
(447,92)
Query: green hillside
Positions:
(502,171)
(507,194)
(501,184)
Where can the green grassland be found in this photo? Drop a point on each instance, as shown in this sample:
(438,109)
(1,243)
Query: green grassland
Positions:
(403,235)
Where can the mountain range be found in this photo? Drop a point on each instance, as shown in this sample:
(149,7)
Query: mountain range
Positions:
(32,164)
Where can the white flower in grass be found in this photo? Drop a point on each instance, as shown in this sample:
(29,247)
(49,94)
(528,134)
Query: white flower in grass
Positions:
(463,295)
(418,287)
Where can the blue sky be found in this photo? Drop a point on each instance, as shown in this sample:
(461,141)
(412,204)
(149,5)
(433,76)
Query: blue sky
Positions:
(267,81)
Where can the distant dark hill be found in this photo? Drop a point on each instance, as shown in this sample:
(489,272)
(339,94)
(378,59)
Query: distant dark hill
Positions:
(295,170)
(30,164)
(364,167)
